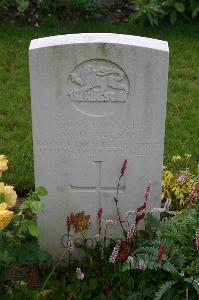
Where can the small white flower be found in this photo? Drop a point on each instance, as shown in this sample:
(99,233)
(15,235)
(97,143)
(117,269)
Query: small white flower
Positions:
(141,265)
(129,212)
(182,273)
(80,274)
(162,209)
(111,222)
(130,260)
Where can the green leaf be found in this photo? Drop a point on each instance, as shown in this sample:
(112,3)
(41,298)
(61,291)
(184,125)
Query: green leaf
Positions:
(5,257)
(164,288)
(22,5)
(195,11)
(43,256)
(173,17)
(36,206)
(194,282)
(150,18)
(179,7)
(24,226)
(143,234)
(41,191)
(33,229)
(25,204)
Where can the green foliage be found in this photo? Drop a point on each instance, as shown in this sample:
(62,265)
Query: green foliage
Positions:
(78,5)
(5,5)
(148,11)
(18,242)
(140,277)
(33,203)
(164,288)
(154,11)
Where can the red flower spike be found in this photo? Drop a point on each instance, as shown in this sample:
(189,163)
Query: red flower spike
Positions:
(147,192)
(30,283)
(125,253)
(141,207)
(99,214)
(160,253)
(107,290)
(69,297)
(31,280)
(123,169)
(139,216)
(192,195)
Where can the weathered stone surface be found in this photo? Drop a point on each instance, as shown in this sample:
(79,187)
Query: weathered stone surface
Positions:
(97,99)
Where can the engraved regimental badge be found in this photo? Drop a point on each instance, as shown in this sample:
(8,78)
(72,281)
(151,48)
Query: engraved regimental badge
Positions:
(98,87)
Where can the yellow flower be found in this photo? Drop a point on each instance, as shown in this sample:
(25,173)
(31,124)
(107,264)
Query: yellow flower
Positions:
(5,215)
(10,196)
(198,168)
(3,164)
(3,206)
(1,187)
(176,158)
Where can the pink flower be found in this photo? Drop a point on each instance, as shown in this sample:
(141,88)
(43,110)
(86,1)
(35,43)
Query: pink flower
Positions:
(99,214)
(147,192)
(192,195)
(181,179)
(123,169)
(131,232)
(70,244)
(80,274)
(115,252)
(197,238)
(111,222)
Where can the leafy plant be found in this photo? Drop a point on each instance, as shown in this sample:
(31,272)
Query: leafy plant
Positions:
(18,229)
(157,260)
(178,183)
(147,11)
(175,9)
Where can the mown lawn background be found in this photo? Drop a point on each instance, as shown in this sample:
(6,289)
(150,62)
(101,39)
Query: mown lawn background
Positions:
(182,123)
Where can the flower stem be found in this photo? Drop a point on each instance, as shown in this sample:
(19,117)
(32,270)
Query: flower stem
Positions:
(53,270)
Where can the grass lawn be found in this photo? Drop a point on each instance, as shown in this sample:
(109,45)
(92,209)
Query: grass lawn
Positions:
(182,124)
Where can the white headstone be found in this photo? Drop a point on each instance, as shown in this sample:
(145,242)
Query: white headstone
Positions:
(97,99)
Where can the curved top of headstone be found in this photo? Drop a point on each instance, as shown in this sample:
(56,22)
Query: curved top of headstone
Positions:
(89,38)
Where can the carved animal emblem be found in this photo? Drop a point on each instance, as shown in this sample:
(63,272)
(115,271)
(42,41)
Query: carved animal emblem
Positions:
(102,78)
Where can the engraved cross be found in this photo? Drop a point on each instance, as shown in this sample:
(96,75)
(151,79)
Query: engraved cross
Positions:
(99,188)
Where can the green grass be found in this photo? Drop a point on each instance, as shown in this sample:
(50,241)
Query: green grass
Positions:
(182,124)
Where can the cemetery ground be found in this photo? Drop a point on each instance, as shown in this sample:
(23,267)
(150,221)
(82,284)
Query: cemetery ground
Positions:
(156,261)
